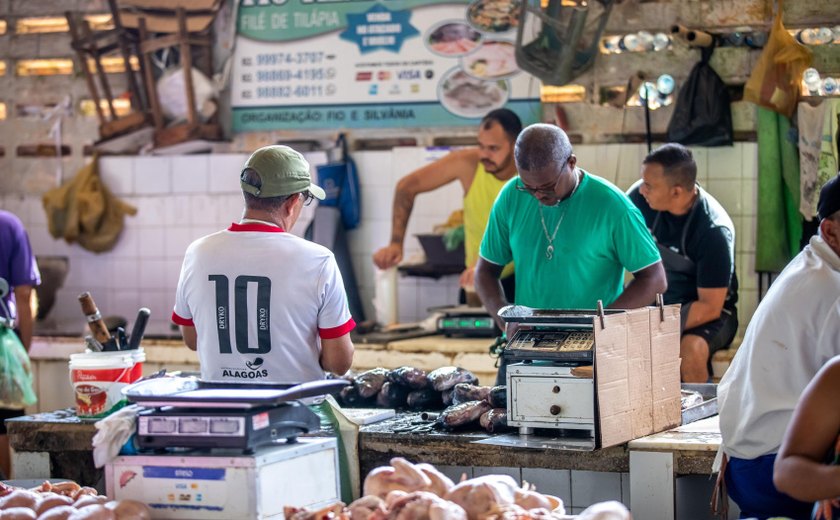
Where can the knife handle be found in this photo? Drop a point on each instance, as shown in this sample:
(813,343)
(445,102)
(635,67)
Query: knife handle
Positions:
(139,328)
(94,318)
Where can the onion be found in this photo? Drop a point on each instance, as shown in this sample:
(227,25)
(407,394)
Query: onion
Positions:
(17,513)
(57,513)
(130,510)
(51,500)
(19,498)
(93,512)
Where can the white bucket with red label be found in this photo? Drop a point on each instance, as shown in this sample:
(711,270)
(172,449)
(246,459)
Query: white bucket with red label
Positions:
(99,377)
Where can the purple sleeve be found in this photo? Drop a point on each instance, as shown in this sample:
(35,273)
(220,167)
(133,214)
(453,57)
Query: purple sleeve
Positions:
(20,267)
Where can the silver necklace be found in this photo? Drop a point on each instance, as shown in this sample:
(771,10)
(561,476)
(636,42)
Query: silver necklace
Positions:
(549,250)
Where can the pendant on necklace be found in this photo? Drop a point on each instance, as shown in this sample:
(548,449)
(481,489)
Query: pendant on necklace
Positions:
(549,251)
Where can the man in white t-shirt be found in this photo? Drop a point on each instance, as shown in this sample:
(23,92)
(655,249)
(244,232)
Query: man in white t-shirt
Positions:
(261,305)
(794,331)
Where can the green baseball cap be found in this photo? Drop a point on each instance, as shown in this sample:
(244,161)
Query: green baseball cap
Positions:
(283,171)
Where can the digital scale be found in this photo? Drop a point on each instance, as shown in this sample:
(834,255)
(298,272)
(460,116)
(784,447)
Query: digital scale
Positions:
(224,451)
(188,413)
(465,321)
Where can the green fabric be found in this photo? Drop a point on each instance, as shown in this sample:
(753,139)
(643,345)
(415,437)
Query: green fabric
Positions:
(329,423)
(601,234)
(779,227)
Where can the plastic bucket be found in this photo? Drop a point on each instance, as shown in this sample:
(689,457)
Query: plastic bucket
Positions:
(99,377)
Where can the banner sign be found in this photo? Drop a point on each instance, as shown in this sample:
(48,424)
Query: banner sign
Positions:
(305,64)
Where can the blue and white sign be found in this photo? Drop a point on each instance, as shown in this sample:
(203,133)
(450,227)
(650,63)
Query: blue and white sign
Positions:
(306,64)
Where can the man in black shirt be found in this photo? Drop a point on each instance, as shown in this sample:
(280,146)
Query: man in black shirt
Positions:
(696,239)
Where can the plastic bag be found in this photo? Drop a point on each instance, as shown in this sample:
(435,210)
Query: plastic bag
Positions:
(774,82)
(340,181)
(16,385)
(172,92)
(702,115)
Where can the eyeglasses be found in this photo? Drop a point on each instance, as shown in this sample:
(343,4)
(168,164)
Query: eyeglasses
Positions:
(544,190)
(308,197)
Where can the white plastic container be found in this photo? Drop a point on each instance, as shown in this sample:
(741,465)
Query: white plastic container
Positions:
(230,485)
(99,377)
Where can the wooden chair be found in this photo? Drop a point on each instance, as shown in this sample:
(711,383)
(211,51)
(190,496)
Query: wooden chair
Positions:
(90,45)
(193,128)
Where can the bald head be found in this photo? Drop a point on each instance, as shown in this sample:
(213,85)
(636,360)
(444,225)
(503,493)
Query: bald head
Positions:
(540,146)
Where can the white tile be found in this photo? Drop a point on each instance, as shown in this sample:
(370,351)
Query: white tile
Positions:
(126,303)
(589,487)
(118,174)
(745,240)
(407,299)
(37,215)
(126,246)
(123,273)
(190,173)
(177,209)
(224,172)
(172,270)
(230,207)
(725,162)
(376,202)
(749,196)
(203,210)
(629,165)
(159,302)
(152,274)
(151,211)
(550,481)
(693,493)
(653,484)
(176,240)
(152,176)
(701,159)
(150,243)
(728,193)
(40,239)
(749,160)
(625,490)
(374,168)
(433,204)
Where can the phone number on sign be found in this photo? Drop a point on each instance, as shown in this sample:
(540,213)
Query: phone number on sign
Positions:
(301,74)
(299,58)
(299,91)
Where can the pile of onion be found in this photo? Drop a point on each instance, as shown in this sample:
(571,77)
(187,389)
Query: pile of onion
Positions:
(66,501)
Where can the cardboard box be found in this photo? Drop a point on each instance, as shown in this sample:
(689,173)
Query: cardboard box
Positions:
(637,373)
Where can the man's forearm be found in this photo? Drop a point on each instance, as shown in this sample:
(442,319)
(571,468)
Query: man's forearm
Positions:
(403,205)
(489,289)
(701,312)
(643,288)
(24,297)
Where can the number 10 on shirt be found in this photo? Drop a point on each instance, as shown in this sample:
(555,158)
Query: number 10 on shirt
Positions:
(241,316)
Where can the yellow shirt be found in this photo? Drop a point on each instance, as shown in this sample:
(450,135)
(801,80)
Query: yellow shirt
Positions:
(479,201)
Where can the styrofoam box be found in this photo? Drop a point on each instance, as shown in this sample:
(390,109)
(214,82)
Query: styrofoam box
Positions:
(302,474)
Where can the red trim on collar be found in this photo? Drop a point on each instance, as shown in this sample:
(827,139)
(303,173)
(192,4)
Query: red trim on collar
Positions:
(252,226)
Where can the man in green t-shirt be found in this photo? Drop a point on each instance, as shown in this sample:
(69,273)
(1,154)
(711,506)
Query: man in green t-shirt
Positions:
(570,234)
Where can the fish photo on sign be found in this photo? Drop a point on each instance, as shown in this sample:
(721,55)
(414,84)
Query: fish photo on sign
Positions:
(466,96)
(453,39)
(494,15)
(494,59)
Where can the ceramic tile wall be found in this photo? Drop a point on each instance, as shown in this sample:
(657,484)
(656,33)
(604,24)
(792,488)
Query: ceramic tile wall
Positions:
(182,198)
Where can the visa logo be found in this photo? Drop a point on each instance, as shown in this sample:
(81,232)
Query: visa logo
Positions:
(408,74)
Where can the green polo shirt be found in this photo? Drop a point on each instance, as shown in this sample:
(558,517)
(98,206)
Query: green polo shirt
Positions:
(601,234)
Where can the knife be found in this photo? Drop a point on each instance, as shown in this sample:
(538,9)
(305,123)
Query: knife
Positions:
(138,329)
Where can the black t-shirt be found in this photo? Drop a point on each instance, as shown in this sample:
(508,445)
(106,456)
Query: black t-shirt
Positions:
(708,241)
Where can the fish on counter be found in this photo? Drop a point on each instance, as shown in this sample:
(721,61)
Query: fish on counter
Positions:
(426,399)
(370,383)
(413,378)
(463,392)
(445,378)
(498,396)
(462,414)
(494,420)
(392,395)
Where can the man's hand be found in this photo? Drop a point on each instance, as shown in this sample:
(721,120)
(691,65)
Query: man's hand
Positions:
(467,280)
(388,256)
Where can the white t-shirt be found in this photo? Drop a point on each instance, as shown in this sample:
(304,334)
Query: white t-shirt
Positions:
(261,300)
(793,333)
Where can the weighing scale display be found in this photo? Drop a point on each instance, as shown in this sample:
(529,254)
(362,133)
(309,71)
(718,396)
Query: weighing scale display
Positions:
(465,323)
(224,426)
(192,426)
(162,425)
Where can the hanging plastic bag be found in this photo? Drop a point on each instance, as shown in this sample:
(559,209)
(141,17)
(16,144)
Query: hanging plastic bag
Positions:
(16,385)
(340,181)
(774,82)
(702,115)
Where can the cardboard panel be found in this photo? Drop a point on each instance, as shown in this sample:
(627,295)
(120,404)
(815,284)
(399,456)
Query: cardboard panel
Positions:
(638,365)
(612,379)
(665,366)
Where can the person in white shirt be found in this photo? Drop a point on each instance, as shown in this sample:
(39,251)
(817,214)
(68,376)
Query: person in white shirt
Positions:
(795,331)
(261,305)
